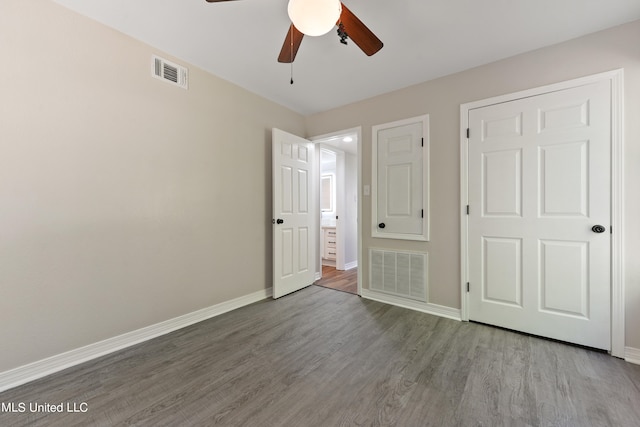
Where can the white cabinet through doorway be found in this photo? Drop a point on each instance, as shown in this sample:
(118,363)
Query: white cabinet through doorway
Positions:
(329,245)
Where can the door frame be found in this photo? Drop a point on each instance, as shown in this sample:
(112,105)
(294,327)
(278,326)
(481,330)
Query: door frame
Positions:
(318,140)
(616,79)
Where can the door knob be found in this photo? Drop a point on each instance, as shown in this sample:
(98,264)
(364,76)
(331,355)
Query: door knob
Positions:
(381,225)
(280,221)
(598,229)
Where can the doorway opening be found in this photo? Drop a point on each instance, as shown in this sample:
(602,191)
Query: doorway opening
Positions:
(339,207)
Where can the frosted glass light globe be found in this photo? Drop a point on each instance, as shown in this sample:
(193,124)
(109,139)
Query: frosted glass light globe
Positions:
(314,17)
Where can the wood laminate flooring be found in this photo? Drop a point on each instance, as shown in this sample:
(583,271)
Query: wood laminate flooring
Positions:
(323,358)
(341,280)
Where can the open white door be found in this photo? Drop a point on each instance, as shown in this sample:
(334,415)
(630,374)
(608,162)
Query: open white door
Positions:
(294,225)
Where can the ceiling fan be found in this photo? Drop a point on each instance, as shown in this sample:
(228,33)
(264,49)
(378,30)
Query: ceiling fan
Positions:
(349,26)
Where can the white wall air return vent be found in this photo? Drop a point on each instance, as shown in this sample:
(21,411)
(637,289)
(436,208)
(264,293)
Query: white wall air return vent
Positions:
(403,274)
(170,72)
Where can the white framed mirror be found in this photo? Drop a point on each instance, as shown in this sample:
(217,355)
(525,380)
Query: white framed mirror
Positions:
(326,188)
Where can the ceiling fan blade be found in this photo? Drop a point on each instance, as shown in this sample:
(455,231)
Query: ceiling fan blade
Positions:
(359,33)
(290,45)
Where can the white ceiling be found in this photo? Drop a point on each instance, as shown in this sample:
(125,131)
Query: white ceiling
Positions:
(423,39)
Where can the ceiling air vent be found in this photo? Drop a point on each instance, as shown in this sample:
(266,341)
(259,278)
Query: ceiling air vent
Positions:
(170,72)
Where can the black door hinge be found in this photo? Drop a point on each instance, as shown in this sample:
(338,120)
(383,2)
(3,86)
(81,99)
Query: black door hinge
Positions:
(467,286)
(468,133)
(422,143)
(421,213)
(468,210)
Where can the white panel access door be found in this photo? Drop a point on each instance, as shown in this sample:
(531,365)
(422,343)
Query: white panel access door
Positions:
(539,190)
(294,233)
(400,184)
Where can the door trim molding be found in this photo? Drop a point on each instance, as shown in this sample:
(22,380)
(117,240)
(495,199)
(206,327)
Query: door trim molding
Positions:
(616,79)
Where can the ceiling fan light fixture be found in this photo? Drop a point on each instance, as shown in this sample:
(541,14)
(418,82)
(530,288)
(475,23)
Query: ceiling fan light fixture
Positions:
(314,17)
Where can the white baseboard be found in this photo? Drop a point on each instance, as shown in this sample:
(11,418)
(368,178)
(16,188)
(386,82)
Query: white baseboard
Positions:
(351,265)
(632,355)
(425,307)
(44,367)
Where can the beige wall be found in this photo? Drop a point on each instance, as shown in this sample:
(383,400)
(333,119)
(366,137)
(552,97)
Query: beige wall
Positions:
(615,48)
(124,201)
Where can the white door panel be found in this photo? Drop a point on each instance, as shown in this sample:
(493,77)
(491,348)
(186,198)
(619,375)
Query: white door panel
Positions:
(563,179)
(502,266)
(400,179)
(502,174)
(539,179)
(293,229)
(564,286)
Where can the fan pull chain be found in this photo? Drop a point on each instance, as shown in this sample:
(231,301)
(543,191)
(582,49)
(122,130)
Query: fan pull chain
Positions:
(291,47)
